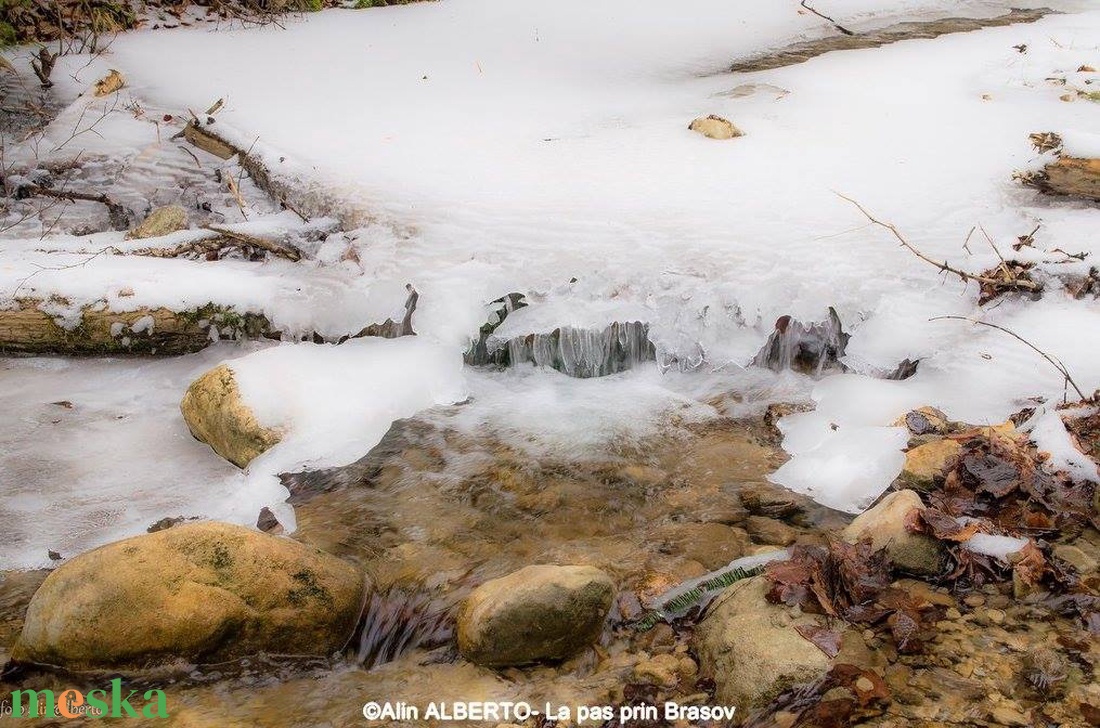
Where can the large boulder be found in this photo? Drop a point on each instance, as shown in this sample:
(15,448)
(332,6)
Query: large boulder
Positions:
(535,614)
(884,525)
(202,592)
(218,416)
(752,649)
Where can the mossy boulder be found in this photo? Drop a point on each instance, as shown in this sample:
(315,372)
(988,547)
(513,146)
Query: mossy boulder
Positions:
(202,592)
(217,415)
(539,613)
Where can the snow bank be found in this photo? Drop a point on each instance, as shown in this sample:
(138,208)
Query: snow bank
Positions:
(336,402)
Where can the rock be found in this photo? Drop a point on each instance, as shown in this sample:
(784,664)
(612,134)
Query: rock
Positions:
(161,221)
(201,592)
(216,415)
(924,421)
(660,670)
(1077,558)
(715,127)
(924,462)
(770,531)
(711,544)
(771,501)
(884,524)
(537,613)
(751,649)
(268,522)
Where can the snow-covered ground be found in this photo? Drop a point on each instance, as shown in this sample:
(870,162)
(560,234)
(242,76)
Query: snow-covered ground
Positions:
(504,145)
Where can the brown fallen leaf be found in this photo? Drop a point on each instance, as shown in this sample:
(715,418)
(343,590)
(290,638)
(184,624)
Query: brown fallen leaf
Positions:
(825,639)
(110,83)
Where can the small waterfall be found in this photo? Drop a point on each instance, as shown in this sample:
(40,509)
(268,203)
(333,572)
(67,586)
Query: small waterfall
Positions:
(807,348)
(397,621)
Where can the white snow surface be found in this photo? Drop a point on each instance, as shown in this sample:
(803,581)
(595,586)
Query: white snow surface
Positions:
(506,145)
(999,547)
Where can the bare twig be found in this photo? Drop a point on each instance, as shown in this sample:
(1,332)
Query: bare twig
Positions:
(44,268)
(836,25)
(943,266)
(1052,359)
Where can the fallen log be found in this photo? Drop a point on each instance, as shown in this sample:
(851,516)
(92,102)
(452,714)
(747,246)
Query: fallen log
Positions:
(27,329)
(1068,175)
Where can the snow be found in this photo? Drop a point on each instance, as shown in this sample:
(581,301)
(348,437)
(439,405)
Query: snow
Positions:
(491,146)
(1049,433)
(335,402)
(1000,547)
(1081,144)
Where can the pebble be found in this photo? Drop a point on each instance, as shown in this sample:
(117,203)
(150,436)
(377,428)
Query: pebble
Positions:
(974,600)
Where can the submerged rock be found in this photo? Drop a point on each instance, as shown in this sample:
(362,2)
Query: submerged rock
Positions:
(715,127)
(752,649)
(216,415)
(200,592)
(535,614)
(884,525)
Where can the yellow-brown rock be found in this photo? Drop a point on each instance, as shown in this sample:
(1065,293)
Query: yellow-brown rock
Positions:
(217,415)
(715,127)
(924,462)
(202,592)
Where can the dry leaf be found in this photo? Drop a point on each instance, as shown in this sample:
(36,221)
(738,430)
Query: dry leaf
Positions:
(110,83)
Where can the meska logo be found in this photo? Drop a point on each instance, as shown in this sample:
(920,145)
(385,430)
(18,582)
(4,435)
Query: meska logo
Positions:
(95,704)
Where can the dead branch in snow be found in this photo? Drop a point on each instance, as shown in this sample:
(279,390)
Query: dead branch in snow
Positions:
(224,240)
(1054,361)
(1011,278)
(836,25)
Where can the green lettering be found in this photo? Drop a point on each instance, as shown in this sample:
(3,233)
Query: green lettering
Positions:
(119,703)
(97,706)
(32,704)
(160,708)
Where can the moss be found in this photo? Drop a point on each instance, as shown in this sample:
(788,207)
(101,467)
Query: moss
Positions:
(221,558)
(308,589)
(8,36)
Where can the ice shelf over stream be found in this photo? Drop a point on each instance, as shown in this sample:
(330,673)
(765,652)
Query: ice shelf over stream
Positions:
(509,145)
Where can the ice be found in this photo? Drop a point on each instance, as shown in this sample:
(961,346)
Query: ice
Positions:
(492,146)
(849,468)
(93,451)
